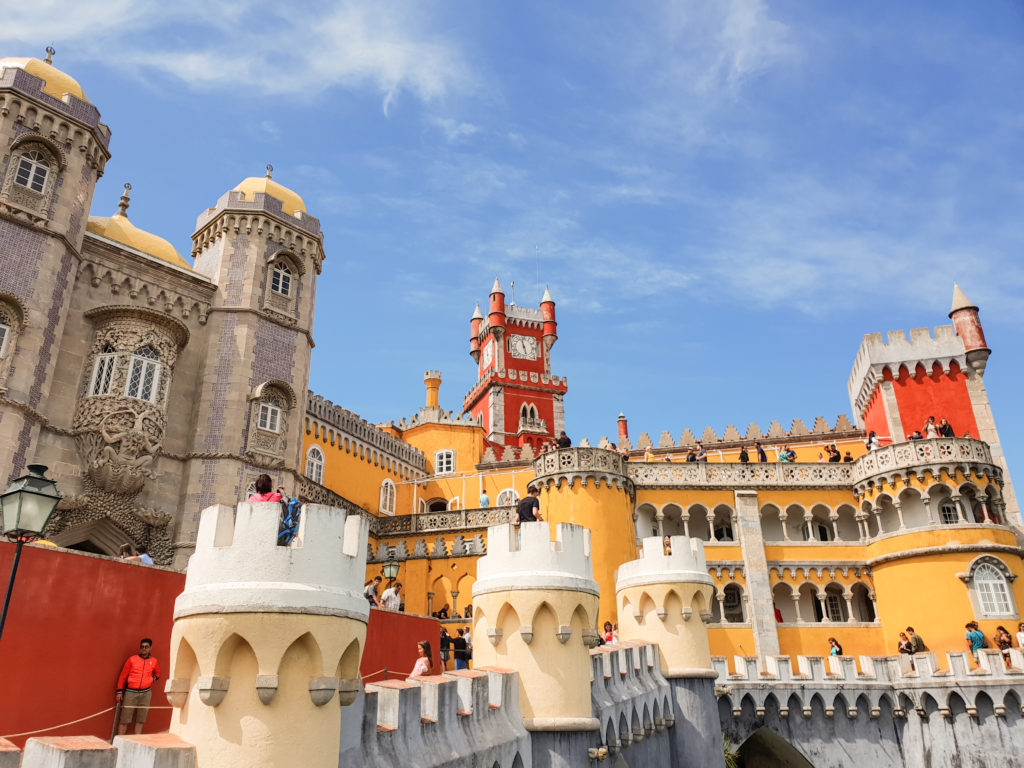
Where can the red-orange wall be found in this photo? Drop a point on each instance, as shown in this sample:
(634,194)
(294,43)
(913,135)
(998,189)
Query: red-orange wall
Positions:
(391,640)
(921,394)
(875,421)
(74,619)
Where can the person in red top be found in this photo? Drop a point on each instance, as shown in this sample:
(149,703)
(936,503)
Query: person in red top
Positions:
(264,492)
(135,686)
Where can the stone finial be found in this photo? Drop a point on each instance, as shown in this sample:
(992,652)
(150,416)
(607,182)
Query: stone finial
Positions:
(687,438)
(798,428)
(753,431)
(732,434)
(270,171)
(820,426)
(547,295)
(496,288)
(125,201)
(665,441)
(477,314)
(775,430)
(843,423)
(960,300)
(644,441)
(708,436)
(49,54)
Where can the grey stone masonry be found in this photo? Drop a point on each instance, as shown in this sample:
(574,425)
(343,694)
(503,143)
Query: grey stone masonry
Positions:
(762,611)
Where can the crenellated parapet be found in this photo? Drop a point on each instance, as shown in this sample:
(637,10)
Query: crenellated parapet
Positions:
(731,438)
(339,423)
(876,355)
(266,635)
(630,697)
(535,610)
(664,597)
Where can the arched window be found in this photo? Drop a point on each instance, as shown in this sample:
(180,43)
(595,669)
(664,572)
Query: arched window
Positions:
(33,168)
(103,372)
(992,590)
(387,497)
(533,412)
(5,334)
(143,375)
(732,604)
(315,464)
(948,512)
(444,462)
(524,412)
(507,498)
(281,279)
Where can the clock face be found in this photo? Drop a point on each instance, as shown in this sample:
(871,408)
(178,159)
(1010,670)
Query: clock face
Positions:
(523,347)
(488,354)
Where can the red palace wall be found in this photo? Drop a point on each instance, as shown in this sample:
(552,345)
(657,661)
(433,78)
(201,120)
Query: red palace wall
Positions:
(74,619)
(939,395)
(875,421)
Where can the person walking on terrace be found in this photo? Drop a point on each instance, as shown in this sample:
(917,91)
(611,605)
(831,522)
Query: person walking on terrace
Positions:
(370,592)
(459,649)
(975,639)
(391,600)
(762,457)
(135,686)
(916,641)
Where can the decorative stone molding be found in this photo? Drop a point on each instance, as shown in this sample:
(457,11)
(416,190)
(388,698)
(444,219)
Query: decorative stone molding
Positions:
(213,689)
(351,425)
(266,687)
(700,474)
(918,456)
(322,690)
(582,464)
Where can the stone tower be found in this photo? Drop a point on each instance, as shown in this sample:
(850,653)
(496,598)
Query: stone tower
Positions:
(517,398)
(590,487)
(665,599)
(265,635)
(53,149)
(534,611)
(264,252)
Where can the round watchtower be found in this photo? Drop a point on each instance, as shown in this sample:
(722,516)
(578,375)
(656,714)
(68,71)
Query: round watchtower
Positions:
(590,487)
(534,611)
(265,635)
(665,598)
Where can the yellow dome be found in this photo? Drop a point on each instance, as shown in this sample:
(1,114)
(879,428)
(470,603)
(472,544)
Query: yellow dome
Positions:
(56,84)
(119,229)
(290,201)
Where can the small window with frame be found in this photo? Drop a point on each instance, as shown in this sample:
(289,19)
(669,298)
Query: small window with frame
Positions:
(281,280)
(269,419)
(103,372)
(444,462)
(143,375)
(32,170)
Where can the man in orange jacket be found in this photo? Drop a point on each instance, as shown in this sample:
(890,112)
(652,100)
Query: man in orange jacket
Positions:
(135,686)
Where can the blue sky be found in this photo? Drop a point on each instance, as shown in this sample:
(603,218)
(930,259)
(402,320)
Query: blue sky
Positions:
(723,196)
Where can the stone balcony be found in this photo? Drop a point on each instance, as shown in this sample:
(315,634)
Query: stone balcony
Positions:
(943,453)
(698,474)
(452,520)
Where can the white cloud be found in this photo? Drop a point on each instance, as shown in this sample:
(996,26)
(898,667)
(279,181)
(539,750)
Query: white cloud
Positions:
(454,130)
(298,50)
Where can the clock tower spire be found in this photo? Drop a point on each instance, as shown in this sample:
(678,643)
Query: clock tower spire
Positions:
(516,396)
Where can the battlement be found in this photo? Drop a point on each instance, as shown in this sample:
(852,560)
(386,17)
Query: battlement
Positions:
(353,426)
(876,354)
(238,567)
(630,697)
(685,563)
(234,200)
(433,416)
(524,557)
(820,431)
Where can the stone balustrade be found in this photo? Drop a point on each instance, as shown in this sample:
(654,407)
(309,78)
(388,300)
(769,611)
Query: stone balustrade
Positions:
(580,463)
(698,474)
(942,452)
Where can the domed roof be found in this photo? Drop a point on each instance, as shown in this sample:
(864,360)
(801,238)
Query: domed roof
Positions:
(290,201)
(56,83)
(119,229)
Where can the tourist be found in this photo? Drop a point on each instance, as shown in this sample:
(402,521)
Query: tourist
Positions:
(391,600)
(468,613)
(821,457)
(931,431)
(916,641)
(873,443)
(126,552)
(1003,641)
(264,490)
(144,556)
(784,454)
(528,508)
(847,458)
(702,454)
(946,429)
(443,613)
(424,665)
(833,455)
(1020,635)
(563,440)
(485,500)
(762,457)
(459,649)
(135,686)
(370,592)
(905,646)
(606,633)
(744,457)
(615,632)
(667,544)
(445,645)
(691,455)
(915,435)
(975,639)
(469,643)
(835,649)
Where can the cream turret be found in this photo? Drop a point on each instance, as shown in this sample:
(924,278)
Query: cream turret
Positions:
(534,610)
(265,635)
(664,598)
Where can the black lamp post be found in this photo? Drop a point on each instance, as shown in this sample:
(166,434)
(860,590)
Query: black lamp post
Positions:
(26,509)
(390,568)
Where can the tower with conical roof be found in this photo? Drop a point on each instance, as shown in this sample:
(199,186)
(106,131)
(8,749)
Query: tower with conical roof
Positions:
(516,396)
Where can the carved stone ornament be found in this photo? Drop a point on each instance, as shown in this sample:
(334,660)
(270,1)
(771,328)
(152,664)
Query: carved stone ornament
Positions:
(527,634)
(494,635)
(213,689)
(563,634)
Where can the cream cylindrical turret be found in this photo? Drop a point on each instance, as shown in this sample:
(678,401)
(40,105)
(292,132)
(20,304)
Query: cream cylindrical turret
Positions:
(665,599)
(265,636)
(534,610)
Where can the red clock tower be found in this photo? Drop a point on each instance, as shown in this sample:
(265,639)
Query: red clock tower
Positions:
(517,398)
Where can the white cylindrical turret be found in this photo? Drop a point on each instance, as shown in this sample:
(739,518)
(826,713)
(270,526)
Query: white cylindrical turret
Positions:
(664,598)
(534,610)
(265,635)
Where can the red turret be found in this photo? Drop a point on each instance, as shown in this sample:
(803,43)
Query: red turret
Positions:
(547,313)
(623,429)
(968,327)
(496,317)
(474,334)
